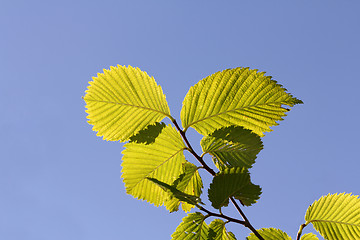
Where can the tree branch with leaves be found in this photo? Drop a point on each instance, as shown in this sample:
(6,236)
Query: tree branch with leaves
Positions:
(232,110)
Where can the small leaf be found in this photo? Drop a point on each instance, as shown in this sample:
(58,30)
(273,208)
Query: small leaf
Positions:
(270,234)
(336,216)
(193,227)
(233,182)
(309,236)
(190,183)
(240,97)
(191,199)
(232,147)
(161,160)
(149,134)
(218,231)
(122,101)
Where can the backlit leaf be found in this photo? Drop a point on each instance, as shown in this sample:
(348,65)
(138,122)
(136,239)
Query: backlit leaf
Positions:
(122,101)
(336,216)
(232,147)
(175,193)
(233,182)
(193,227)
(190,183)
(161,160)
(270,234)
(218,231)
(240,97)
(309,236)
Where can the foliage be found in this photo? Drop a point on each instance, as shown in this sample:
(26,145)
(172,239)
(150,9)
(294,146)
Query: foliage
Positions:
(232,109)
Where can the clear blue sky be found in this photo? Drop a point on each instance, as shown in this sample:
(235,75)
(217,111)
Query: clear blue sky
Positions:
(59,181)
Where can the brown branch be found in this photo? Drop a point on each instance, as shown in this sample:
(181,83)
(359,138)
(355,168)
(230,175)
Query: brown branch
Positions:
(246,222)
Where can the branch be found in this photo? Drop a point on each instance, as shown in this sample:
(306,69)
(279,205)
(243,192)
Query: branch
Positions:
(230,219)
(191,150)
(246,222)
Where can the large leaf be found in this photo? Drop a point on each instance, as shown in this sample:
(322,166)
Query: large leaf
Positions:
(336,216)
(309,236)
(240,97)
(161,160)
(218,231)
(189,183)
(233,182)
(232,147)
(270,234)
(193,227)
(122,101)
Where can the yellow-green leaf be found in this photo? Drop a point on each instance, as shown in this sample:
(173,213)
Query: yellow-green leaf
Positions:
(309,236)
(270,234)
(240,97)
(190,183)
(217,231)
(122,101)
(232,147)
(336,216)
(193,227)
(175,193)
(162,160)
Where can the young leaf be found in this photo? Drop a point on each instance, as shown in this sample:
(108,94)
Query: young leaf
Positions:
(122,101)
(270,234)
(240,97)
(217,231)
(232,147)
(336,216)
(193,227)
(161,160)
(175,193)
(189,183)
(309,236)
(233,182)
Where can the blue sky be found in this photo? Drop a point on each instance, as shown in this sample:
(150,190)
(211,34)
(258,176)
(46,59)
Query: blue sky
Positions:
(59,181)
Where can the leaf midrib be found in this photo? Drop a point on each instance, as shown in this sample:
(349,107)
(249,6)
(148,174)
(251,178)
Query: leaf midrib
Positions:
(335,222)
(232,110)
(126,104)
(169,158)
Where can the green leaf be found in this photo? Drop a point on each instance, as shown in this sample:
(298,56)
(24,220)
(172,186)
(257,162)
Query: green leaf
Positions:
(218,231)
(233,182)
(270,234)
(336,216)
(175,193)
(149,134)
(240,97)
(193,227)
(122,101)
(309,236)
(161,160)
(232,147)
(189,183)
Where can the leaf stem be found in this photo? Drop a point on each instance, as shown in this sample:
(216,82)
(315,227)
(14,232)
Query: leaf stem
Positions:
(300,231)
(191,150)
(230,219)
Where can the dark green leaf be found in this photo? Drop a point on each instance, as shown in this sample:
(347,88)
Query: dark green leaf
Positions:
(232,147)
(233,182)
(218,231)
(149,134)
